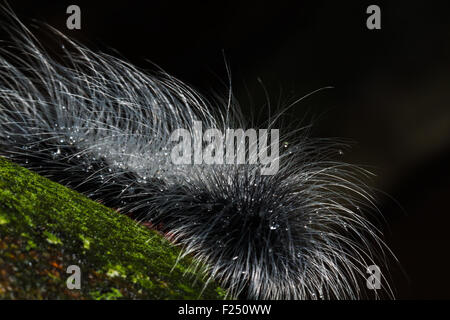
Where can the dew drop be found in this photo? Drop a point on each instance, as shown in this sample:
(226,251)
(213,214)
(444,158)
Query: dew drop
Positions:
(274,226)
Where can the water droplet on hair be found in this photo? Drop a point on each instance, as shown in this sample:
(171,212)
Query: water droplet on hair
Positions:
(321,295)
(274,226)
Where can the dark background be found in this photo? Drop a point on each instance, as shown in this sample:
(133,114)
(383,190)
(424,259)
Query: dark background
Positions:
(391,90)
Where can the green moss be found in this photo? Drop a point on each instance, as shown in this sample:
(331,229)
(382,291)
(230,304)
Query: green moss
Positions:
(86,242)
(51,238)
(45,228)
(3,219)
(111,295)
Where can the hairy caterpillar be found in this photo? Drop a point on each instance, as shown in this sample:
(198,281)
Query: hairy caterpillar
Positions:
(102,126)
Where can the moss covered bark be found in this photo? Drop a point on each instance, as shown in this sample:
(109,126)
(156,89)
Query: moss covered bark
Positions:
(46,227)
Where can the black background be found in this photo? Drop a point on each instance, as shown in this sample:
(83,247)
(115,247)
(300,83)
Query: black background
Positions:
(391,90)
